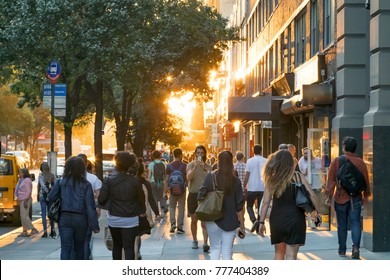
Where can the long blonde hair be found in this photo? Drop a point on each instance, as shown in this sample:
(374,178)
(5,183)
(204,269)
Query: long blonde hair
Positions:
(278,172)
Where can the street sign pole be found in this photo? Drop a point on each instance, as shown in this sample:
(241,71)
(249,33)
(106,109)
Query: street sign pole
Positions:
(53,73)
(52,119)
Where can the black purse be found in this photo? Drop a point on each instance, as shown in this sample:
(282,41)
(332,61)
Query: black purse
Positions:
(302,196)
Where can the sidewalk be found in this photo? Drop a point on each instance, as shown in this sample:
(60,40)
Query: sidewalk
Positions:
(162,245)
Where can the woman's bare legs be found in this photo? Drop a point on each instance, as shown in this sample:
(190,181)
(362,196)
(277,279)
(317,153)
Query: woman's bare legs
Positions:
(280,251)
(292,251)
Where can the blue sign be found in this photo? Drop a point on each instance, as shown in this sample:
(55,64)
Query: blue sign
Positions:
(59,96)
(53,71)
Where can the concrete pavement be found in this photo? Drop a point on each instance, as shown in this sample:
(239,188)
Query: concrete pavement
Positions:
(162,245)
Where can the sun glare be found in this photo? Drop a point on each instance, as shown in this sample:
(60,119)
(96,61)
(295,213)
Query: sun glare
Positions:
(183,107)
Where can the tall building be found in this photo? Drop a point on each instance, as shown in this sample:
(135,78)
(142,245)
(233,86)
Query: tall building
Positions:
(310,72)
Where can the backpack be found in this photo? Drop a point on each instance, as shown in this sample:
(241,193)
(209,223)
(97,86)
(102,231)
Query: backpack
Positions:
(350,178)
(176,182)
(159,172)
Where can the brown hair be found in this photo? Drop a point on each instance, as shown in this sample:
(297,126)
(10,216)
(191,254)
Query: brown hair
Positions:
(278,172)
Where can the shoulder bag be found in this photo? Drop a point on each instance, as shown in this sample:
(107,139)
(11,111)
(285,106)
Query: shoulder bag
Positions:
(55,208)
(210,208)
(302,196)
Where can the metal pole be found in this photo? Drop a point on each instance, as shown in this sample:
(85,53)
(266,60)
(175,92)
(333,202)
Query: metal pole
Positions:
(52,117)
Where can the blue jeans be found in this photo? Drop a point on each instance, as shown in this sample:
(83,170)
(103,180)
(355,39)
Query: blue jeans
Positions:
(344,213)
(73,230)
(45,207)
(251,198)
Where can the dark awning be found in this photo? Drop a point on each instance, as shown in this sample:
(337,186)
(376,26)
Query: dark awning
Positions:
(254,108)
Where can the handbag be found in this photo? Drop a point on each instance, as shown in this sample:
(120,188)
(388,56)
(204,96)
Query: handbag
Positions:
(54,211)
(143,226)
(302,196)
(210,208)
(108,239)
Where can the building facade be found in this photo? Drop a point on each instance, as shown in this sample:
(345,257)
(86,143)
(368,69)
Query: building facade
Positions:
(310,72)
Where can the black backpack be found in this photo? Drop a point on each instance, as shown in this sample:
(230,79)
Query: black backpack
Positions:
(159,172)
(350,178)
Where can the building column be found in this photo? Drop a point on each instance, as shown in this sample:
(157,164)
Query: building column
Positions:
(352,78)
(376,131)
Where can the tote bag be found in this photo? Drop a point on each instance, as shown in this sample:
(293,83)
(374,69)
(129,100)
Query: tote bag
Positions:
(210,209)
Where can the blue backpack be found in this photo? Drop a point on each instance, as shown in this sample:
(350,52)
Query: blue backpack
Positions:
(176,182)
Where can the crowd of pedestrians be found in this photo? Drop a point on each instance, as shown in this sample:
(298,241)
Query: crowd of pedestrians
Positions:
(135,192)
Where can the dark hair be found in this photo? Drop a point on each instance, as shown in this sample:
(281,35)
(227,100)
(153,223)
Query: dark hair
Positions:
(84,158)
(239,155)
(156,154)
(204,150)
(124,160)
(74,167)
(177,152)
(89,166)
(349,144)
(25,173)
(225,172)
(257,149)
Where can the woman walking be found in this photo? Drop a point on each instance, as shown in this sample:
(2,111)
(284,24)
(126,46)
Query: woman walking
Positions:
(23,192)
(126,200)
(223,231)
(287,221)
(78,209)
(46,182)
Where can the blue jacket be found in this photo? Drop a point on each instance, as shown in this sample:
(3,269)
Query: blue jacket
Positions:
(76,197)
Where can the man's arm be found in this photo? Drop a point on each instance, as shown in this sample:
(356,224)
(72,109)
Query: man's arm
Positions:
(246,179)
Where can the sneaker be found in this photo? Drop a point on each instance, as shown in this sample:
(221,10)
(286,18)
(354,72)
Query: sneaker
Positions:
(44,234)
(341,253)
(23,234)
(255,226)
(206,248)
(53,234)
(34,231)
(195,244)
(180,230)
(172,229)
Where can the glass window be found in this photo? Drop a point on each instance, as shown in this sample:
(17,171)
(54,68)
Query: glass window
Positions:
(314,28)
(329,22)
(300,39)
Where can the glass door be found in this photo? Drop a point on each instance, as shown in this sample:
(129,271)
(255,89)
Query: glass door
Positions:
(319,153)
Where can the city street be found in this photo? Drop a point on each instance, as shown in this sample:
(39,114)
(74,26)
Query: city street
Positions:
(162,245)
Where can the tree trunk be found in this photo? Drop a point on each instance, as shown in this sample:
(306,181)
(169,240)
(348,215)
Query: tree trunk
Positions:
(68,139)
(98,129)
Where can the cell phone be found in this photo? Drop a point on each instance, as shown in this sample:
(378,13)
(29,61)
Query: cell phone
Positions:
(241,234)
(199,158)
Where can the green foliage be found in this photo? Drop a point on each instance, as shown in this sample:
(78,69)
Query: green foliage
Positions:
(129,46)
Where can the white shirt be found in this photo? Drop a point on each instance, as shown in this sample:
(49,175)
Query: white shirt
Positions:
(316,173)
(95,181)
(255,166)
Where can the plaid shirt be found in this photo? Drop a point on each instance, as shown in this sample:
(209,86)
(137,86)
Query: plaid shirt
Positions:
(239,166)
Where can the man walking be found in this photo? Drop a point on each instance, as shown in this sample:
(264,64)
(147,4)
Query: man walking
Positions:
(156,176)
(176,184)
(254,184)
(347,208)
(239,167)
(196,172)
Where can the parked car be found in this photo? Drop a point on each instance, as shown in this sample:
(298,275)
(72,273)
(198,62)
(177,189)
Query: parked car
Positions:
(9,170)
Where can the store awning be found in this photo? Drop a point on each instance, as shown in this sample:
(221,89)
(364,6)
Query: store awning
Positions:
(254,108)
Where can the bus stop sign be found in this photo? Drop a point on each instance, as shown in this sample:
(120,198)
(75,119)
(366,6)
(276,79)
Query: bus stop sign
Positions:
(53,71)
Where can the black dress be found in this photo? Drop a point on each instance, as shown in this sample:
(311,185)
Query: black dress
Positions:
(287,221)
